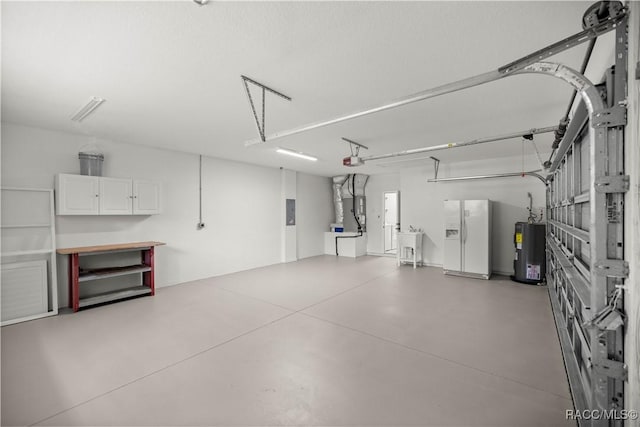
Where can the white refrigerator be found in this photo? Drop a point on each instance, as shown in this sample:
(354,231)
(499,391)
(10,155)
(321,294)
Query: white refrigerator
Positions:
(467,238)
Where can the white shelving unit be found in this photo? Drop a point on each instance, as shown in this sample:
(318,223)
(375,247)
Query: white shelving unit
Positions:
(79,274)
(28,252)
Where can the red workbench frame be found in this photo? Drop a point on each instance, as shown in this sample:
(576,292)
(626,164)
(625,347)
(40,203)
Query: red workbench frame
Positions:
(147,255)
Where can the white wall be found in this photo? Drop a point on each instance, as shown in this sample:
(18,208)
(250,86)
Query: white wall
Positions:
(289,240)
(314,213)
(241,205)
(421,204)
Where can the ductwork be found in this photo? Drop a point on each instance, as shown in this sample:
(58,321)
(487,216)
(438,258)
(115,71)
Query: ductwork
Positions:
(358,185)
(338,182)
(354,203)
(350,187)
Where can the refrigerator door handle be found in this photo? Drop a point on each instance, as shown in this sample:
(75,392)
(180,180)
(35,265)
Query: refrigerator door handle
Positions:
(464,232)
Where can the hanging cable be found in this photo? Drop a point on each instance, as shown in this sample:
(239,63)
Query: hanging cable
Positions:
(200,224)
(535,148)
(529,137)
(522,168)
(355,215)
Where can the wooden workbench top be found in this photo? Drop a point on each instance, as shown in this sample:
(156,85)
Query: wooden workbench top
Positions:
(104,248)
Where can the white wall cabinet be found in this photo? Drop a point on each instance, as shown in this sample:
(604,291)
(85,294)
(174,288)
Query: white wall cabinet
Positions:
(146,197)
(91,195)
(116,196)
(77,195)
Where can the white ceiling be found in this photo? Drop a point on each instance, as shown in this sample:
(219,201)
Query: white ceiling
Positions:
(170,72)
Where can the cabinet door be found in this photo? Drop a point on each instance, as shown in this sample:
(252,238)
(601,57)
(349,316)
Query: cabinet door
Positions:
(146,197)
(115,196)
(77,195)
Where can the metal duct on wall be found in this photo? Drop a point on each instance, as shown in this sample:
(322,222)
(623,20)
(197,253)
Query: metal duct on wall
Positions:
(359,184)
(354,203)
(338,182)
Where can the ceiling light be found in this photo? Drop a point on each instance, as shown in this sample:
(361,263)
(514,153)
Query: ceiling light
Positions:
(93,103)
(296,154)
(201,2)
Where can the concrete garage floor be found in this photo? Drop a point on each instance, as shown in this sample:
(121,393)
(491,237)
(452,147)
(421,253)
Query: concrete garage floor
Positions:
(323,341)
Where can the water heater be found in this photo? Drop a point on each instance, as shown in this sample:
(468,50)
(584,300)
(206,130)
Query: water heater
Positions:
(529,262)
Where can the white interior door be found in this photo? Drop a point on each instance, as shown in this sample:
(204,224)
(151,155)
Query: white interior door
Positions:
(391,225)
(452,236)
(475,236)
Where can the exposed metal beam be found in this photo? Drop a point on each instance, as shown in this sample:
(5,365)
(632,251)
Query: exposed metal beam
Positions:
(586,89)
(261,125)
(267,88)
(572,274)
(436,167)
(573,231)
(571,41)
(579,120)
(497,175)
(501,72)
(420,96)
(592,101)
(578,387)
(462,143)
(357,144)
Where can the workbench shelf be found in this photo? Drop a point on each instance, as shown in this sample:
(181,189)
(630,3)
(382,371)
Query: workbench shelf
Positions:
(103,273)
(114,296)
(78,274)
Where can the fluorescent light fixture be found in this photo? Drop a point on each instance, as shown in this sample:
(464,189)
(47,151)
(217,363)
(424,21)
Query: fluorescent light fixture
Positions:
(296,154)
(82,113)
